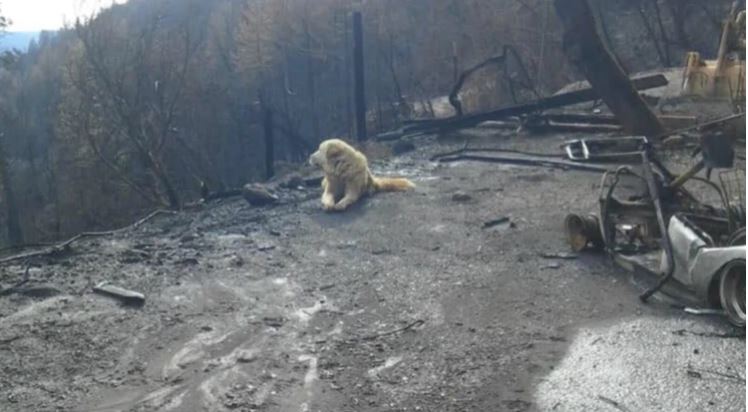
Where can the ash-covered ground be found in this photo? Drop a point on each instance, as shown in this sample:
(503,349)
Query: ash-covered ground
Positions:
(404,303)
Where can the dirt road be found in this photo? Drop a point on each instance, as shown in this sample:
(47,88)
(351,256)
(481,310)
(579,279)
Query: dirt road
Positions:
(404,303)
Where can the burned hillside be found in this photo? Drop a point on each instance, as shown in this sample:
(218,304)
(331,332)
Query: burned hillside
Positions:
(567,233)
(135,107)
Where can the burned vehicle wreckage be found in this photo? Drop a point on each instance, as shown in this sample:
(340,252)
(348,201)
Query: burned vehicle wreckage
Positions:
(661,229)
(694,249)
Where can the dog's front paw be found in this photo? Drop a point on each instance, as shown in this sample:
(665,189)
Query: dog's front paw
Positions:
(328,207)
(340,207)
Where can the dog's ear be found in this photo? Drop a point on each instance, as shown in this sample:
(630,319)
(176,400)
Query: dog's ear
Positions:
(333,152)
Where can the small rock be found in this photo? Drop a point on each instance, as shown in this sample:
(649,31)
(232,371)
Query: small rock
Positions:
(293,181)
(246,357)
(236,261)
(187,261)
(496,222)
(188,238)
(461,197)
(258,195)
(401,147)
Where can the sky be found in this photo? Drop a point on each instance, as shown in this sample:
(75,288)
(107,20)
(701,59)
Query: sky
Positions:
(35,15)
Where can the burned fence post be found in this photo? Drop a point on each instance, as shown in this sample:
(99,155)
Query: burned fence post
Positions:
(267,124)
(358,76)
(586,50)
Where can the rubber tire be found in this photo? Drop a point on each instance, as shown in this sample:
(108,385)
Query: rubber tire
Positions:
(730,286)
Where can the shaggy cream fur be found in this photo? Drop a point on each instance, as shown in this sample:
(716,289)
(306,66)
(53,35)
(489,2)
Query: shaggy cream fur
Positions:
(347,175)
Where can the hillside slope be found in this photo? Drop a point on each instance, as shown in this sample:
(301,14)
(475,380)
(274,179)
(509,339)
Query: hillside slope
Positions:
(403,303)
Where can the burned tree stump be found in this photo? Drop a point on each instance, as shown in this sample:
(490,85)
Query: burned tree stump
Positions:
(586,50)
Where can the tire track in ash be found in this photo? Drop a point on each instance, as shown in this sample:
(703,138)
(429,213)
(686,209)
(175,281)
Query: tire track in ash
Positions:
(253,347)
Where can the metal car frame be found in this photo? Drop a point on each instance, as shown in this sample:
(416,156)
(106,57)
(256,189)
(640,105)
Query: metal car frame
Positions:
(689,256)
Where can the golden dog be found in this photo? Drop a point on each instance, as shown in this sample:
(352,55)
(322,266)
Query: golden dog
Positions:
(347,175)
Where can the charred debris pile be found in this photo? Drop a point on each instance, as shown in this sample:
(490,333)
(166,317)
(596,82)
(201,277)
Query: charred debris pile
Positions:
(691,249)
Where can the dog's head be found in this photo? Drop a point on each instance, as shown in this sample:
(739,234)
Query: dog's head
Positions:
(328,152)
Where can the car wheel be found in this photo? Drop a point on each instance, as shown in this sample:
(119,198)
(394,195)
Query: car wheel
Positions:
(732,291)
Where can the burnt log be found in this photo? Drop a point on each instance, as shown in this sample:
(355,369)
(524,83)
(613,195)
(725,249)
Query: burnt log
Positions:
(586,50)
(551,102)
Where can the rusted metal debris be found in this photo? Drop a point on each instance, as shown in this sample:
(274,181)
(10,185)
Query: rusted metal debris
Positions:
(613,150)
(583,231)
(666,233)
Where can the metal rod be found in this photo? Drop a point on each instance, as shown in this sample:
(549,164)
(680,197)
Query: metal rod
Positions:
(682,179)
(654,193)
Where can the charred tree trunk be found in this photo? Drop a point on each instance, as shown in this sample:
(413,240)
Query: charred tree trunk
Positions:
(358,77)
(588,53)
(347,70)
(310,81)
(378,85)
(644,15)
(15,235)
(267,124)
(163,178)
(455,63)
(663,33)
(679,10)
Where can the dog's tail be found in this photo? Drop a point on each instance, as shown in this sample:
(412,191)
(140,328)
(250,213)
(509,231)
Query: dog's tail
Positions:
(392,184)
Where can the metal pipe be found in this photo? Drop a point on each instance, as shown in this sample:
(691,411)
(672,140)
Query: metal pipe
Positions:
(654,193)
(680,180)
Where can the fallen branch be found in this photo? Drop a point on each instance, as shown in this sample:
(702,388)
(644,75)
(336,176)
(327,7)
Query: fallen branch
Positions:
(62,247)
(728,335)
(527,161)
(392,332)
(454,98)
(18,285)
(464,150)
(613,403)
(720,374)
